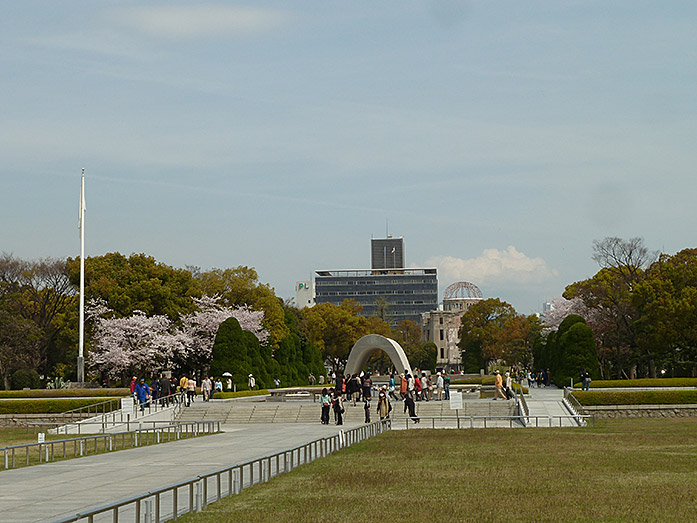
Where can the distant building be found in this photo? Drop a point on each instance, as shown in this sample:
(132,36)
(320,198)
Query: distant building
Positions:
(386,289)
(304,294)
(405,294)
(442,326)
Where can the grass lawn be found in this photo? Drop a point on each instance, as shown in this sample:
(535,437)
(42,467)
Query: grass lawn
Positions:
(19,436)
(618,470)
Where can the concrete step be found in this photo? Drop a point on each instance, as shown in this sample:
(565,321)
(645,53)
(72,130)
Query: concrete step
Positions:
(238,412)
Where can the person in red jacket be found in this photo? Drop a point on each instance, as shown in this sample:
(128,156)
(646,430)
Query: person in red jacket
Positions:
(133,385)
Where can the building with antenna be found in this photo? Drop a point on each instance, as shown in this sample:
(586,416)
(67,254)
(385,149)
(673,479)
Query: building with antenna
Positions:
(388,289)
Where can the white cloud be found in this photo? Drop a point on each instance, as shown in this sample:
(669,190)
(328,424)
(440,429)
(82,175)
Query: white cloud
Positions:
(200,21)
(494,266)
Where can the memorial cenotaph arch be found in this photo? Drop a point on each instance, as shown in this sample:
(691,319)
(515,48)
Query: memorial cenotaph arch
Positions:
(371,343)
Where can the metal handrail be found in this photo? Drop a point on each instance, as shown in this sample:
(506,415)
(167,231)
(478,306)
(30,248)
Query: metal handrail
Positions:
(88,408)
(136,438)
(235,477)
(524,410)
(462,422)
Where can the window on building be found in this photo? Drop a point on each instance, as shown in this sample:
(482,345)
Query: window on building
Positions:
(442,335)
(442,353)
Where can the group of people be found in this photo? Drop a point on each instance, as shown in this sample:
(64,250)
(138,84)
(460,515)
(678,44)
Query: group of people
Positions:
(334,399)
(172,390)
(422,388)
(358,388)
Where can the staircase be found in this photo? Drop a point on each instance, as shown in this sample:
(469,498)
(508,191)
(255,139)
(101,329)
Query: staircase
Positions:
(262,412)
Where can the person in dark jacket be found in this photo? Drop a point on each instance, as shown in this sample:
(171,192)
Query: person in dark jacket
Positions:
(165,387)
(411,406)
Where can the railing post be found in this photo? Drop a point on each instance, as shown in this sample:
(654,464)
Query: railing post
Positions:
(148,511)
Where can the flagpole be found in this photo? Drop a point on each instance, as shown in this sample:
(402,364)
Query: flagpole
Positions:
(81,347)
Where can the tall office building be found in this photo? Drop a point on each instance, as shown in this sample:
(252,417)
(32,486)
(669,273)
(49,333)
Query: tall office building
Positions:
(388,288)
(387,253)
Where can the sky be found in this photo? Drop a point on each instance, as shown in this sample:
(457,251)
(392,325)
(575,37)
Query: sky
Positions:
(498,138)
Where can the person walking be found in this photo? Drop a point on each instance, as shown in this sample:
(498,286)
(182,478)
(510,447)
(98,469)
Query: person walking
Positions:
(403,385)
(384,407)
(439,387)
(326,400)
(446,388)
(585,380)
(206,388)
(509,382)
(498,382)
(367,385)
(338,407)
(182,388)
(190,391)
(251,382)
(366,409)
(411,406)
(142,393)
(393,386)
(165,387)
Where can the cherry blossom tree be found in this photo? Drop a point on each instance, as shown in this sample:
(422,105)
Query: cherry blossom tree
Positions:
(139,343)
(131,345)
(198,330)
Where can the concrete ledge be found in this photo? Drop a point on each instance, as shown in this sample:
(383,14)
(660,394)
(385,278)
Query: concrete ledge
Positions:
(642,411)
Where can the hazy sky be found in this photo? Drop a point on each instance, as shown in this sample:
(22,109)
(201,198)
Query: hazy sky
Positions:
(499,138)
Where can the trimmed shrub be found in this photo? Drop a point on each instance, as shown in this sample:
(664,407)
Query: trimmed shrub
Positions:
(50,406)
(25,378)
(239,394)
(639,397)
(64,393)
(642,382)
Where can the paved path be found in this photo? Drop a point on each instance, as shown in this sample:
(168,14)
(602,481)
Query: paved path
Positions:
(52,491)
(55,490)
(547,402)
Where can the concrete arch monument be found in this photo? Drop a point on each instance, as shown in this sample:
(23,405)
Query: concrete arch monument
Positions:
(371,343)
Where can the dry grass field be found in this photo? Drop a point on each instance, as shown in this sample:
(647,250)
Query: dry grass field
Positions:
(618,470)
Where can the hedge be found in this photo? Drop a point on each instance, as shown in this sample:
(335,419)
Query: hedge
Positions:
(635,397)
(486,380)
(642,382)
(239,394)
(51,406)
(65,393)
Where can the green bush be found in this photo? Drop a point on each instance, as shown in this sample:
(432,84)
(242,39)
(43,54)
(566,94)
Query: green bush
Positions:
(642,382)
(64,393)
(239,394)
(51,406)
(25,378)
(635,397)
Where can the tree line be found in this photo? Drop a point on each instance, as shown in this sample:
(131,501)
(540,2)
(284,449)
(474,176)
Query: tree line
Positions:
(145,316)
(636,317)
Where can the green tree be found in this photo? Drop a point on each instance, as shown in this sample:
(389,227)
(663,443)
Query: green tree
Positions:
(482,332)
(666,300)
(575,351)
(137,282)
(238,352)
(335,329)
